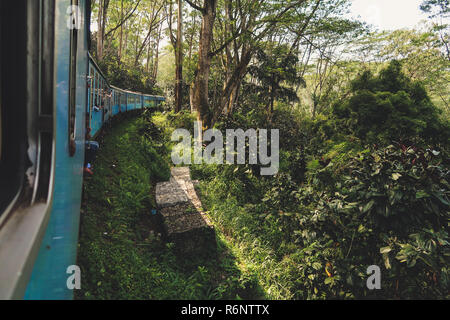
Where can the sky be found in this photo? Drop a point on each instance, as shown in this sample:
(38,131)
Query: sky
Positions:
(389,14)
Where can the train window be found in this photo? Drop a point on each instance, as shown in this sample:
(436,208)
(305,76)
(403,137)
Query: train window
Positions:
(101,91)
(91,90)
(73,85)
(98,89)
(13,128)
(0,99)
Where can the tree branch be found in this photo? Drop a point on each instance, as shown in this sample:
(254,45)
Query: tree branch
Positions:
(123,21)
(196,7)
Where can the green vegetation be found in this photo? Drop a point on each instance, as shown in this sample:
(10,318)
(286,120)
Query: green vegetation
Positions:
(391,107)
(364,122)
(356,187)
(121,252)
(340,203)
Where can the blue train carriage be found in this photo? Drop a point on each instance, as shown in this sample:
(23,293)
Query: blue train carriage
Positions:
(132,100)
(151,101)
(100,98)
(119,104)
(42,140)
(42,137)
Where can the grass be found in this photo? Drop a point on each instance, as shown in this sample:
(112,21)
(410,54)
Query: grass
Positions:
(248,240)
(121,251)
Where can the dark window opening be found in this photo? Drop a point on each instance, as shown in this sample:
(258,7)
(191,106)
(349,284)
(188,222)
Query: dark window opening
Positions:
(13,112)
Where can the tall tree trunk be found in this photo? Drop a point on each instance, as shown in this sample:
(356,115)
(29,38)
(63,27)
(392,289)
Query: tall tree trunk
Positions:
(102,15)
(121,32)
(100,31)
(200,94)
(147,64)
(232,86)
(156,61)
(191,38)
(179,60)
(125,43)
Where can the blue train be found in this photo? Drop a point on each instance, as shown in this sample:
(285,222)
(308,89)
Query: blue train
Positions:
(50,91)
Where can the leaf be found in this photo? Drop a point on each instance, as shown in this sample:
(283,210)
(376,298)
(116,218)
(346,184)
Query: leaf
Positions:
(441,198)
(396,176)
(376,157)
(368,206)
(387,263)
(361,228)
(421,194)
(317,265)
(385,250)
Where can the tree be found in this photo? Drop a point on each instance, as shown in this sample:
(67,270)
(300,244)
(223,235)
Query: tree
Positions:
(247,24)
(200,90)
(390,107)
(421,57)
(102,21)
(328,40)
(126,44)
(439,10)
(276,74)
(177,43)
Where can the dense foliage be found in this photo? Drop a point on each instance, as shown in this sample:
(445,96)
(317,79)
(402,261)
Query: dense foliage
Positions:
(364,120)
(391,107)
(340,203)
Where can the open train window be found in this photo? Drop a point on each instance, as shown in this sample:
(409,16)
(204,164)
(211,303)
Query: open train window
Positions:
(13,126)
(73,81)
(0,96)
(91,90)
(96,89)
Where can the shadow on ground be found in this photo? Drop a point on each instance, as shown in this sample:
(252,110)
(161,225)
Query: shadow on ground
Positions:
(123,253)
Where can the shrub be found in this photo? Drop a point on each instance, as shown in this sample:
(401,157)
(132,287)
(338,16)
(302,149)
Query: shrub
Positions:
(391,107)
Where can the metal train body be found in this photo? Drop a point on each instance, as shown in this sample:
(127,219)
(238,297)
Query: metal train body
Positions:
(49,86)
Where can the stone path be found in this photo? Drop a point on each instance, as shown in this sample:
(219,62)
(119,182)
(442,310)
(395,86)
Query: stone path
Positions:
(185,223)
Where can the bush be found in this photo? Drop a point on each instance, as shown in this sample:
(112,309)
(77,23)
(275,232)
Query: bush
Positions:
(391,107)
(387,207)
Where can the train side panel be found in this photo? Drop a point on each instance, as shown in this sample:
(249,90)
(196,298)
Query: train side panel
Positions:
(58,250)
